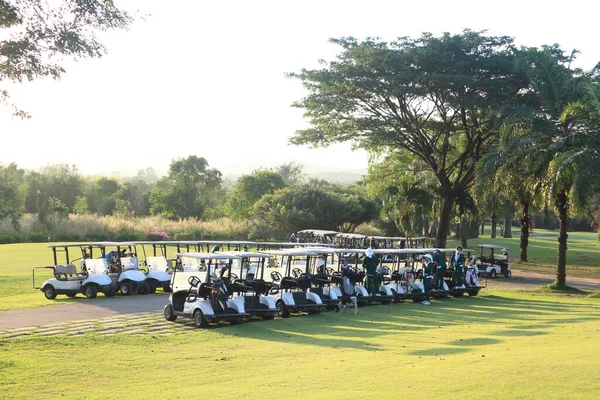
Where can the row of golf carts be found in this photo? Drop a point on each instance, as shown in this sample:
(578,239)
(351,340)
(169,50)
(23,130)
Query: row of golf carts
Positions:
(114,267)
(234,285)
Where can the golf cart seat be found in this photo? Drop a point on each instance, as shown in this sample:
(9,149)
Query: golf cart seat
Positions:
(257,285)
(290,283)
(67,273)
(204,291)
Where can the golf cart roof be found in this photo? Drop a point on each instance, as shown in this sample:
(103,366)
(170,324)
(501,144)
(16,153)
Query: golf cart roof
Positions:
(168,242)
(319,250)
(493,246)
(400,251)
(350,235)
(208,256)
(290,252)
(244,254)
(318,232)
(348,251)
(314,244)
(71,245)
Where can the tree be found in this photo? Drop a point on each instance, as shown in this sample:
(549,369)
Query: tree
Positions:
(81,206)
(188,191)
(291,172)
(39,33)
(59,181)
(103,195)
(435,98)
(249,189)
(308,206)
(11,202)
(563,138)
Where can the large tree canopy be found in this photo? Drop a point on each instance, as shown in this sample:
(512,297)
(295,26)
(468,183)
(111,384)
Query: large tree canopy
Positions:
(39,33)
(438,98)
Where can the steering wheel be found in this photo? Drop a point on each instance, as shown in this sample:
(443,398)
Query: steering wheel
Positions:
(193,281)
(276,276)
(297,272)
(233,277)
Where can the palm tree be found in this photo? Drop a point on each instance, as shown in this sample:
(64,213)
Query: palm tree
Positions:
(561,146)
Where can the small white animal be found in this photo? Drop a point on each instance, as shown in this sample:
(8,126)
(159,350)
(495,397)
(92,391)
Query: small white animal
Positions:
(346,304)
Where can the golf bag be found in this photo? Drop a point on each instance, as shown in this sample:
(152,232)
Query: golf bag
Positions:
(471,277)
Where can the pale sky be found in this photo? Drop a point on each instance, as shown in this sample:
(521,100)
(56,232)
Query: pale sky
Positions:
(207,78)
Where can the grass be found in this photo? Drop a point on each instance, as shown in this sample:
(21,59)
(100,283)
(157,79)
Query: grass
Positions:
(583,253)
(501,344)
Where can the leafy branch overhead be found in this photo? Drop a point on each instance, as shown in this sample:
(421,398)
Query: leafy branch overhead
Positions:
(38,34)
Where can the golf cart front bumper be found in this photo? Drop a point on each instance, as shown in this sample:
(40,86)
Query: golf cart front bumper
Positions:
(225,316)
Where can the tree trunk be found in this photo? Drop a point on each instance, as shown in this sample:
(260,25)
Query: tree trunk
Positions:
(474,229)
(525,219)
(444,224)
(507,220)
(562,210)
(493,232)
(482,227)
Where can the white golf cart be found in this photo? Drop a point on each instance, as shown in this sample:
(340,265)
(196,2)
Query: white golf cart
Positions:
(289,293)
(493,261)
(206,301)
(156,265)
(245,278)
(68,281)
(124,268)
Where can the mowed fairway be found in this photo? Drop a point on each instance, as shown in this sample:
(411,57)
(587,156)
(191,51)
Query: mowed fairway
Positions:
(499,345)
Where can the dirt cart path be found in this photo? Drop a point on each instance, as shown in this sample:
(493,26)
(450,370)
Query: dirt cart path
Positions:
(82,309)
(531,280)
(85,309)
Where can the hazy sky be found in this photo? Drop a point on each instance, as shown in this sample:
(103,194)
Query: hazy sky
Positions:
(207,78)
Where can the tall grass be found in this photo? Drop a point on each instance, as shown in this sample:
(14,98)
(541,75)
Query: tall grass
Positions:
(94,227)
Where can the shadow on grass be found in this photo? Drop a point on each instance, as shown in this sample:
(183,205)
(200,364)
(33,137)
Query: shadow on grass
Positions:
(350,331)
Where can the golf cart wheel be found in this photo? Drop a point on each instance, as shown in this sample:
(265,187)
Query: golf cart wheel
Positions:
(199,320)
(458,293)
(151,287)
(49,292)
(508,274)
(473,293)
(415,299)
(110,292)
(169,313)
(166,289)
(126,289)
(91,291)
(283,310)
(144,289)
(236,321)
(71,295)
(268,317)
(493,273)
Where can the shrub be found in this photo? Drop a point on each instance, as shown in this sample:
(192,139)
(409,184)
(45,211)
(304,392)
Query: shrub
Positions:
(154,236)
(6,238)
(127,236)
(65,237)
(37,237)
(98,236)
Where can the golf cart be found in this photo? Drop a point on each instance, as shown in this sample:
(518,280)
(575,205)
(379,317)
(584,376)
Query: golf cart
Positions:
(471,282)
(68,281)
(316,271)
(157,266)
(399,277)
(349,267)
(249,284)
(493,261)
(206,301)
(290,293)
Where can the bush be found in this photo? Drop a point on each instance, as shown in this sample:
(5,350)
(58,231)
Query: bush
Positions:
(65,237)
(155,236)
(37,237)
(127,236)
(6,238)
(188,235)
(98,236)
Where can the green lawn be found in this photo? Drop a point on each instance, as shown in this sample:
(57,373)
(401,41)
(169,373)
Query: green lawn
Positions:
(583,253)
(499,345)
